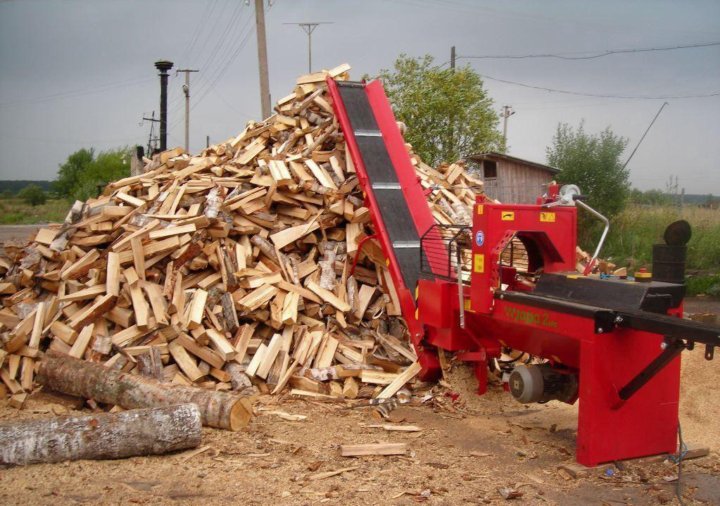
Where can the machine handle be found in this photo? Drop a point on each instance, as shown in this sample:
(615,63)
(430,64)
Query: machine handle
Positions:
(591,263)
(461,296)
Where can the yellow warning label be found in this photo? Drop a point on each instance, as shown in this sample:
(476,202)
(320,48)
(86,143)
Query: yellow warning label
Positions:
(507,215)
(480,208)
(547,217)
(479,263)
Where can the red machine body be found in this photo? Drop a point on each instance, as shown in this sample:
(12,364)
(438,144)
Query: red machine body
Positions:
(608,427)
(610,343)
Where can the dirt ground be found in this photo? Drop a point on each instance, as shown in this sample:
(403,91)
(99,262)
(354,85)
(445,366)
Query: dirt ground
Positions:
(464,453)
(17,232)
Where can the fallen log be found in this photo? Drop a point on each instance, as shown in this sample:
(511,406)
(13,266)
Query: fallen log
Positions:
(93,381)
(102,436)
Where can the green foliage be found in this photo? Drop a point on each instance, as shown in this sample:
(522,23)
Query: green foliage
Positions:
(83,172)
(448,114)
(32,194)
(12,187)
(593,163)
(72,171)
(650,197)
(707,285)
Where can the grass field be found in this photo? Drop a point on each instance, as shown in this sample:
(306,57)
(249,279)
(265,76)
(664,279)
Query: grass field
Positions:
(637,228)
(14,211)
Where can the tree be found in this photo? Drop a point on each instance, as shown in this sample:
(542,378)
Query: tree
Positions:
(71,171)
(32,194)
(448,113)
(83,172)
(593,163)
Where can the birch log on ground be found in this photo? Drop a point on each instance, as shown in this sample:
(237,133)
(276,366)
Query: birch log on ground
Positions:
(102,436)
(93,381)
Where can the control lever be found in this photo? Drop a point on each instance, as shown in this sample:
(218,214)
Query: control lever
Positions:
(570,195)
(591,263)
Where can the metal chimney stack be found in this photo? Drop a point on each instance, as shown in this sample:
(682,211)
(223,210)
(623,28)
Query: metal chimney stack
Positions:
(163,66)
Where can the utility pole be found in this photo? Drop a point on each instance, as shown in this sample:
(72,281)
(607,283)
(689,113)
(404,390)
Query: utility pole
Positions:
(163,66)
(262,58)
(505,114)
(186,91)
(152,141)
(309,27)
(452,58)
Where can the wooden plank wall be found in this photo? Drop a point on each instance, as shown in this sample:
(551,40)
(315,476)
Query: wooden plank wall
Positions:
(519,183)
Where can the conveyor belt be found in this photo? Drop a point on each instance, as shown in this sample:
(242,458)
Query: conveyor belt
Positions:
(384,184)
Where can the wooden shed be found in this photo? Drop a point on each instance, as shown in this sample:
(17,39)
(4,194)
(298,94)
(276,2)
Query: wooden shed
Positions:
(510,179)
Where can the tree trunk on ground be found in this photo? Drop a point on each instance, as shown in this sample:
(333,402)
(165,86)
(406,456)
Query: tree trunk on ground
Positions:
(101,436)
(93,381)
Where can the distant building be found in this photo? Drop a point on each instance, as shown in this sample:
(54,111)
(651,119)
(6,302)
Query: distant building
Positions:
(509,179)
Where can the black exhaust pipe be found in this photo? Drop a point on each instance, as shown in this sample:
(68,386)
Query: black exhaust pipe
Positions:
(668,260)
(163,66)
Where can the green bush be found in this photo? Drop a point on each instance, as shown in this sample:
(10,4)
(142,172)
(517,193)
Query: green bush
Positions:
(83,171)
(32,194)
(708,285)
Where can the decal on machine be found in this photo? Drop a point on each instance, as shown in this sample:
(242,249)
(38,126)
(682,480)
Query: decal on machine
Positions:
(528,317)
(547,217)
(479,238)
(507,216)
(479,263)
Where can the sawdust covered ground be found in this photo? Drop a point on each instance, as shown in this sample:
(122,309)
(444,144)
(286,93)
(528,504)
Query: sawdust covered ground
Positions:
(468,448)
(466,451)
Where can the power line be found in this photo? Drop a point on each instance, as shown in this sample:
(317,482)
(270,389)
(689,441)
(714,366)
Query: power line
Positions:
(229,62)
(220,52)
(597,53)
(207,14)
(600,95)
(211,82)
(80,92)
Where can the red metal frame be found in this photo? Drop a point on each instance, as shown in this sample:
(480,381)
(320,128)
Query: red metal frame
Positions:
(552,230)
(608,428)
(412,191)
(360,245)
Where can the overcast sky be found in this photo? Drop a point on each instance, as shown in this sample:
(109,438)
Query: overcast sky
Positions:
(79,73)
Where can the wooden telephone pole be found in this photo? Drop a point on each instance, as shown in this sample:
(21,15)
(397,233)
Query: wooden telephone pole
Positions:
(186,91)
(262,58)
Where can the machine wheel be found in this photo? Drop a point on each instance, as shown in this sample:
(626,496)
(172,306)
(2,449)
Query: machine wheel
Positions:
(526,384)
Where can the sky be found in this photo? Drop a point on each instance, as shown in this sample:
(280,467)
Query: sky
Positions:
(80,73)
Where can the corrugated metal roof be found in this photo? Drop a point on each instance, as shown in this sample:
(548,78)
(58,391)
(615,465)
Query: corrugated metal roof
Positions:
(494,156)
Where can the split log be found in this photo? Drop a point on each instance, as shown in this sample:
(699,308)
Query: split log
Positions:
(102,436)
(93,381)
(362,450)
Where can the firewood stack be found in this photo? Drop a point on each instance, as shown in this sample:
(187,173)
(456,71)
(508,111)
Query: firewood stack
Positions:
(231,270)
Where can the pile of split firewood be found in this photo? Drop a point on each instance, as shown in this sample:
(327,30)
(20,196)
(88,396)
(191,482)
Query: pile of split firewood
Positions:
(231,270)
